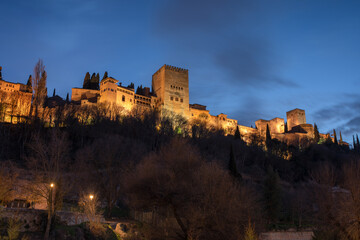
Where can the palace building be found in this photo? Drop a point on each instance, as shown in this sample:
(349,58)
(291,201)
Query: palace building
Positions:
(15,101)
(169,94)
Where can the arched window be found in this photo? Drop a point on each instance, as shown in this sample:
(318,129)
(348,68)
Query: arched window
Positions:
(123,98)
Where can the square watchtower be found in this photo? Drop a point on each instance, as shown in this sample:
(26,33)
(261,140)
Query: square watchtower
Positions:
(295,117)
(171,86)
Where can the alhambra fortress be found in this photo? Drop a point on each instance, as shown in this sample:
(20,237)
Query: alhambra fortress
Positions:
(169,94)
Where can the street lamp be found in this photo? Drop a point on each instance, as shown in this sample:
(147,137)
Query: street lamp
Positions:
(91,196)
(51,209)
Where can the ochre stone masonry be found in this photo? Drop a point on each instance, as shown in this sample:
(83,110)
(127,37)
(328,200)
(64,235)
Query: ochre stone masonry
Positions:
(15,101)
(295,117)
(169,95)
(171,86)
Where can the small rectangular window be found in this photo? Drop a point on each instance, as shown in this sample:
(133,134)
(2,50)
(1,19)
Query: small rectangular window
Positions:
(176,99)
(171,98)
(181,100)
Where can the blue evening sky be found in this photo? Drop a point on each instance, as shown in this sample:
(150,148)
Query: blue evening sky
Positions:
(249,59)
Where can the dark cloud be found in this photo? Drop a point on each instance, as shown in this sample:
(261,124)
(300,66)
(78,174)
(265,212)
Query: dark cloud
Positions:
(221,33)
(340,111)
(250,63)
(199,16)
(344,117)
(350,128)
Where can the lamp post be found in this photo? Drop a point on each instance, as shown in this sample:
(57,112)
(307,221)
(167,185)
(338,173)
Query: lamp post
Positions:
(52,198)
(50,210)
(91,208)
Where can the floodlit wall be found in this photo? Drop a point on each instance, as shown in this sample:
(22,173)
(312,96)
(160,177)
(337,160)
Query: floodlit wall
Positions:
(78,94)
(171,86)
(295,117)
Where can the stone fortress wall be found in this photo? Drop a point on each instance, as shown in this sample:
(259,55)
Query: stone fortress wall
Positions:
(15,99)
(170,94)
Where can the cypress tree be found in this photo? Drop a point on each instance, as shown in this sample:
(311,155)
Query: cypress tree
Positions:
(354,145)
(97,77)
(232,166)
(237,133)
(286,127)
(357,143)
(272,197)
(139,90)
(105,75)
(316,133)
(86,84)
(335,138)
(67,97)
(92,81)
(42,90)
(341,138)
(54,93)
(29,84)
(268,137)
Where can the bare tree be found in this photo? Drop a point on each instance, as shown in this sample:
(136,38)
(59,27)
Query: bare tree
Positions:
(338,205)
(349,201)
(47,161)
(179,185)
(7,183)
(39,88)
(101,164)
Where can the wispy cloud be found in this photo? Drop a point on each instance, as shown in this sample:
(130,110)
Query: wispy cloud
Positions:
(344,116)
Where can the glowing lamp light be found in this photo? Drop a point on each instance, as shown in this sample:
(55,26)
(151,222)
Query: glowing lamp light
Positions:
(91,197)
(52,185)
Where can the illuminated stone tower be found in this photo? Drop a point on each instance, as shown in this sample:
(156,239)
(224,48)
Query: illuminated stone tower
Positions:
(171,86)
(295,117)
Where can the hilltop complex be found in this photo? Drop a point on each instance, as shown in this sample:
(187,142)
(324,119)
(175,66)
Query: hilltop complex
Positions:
(169,94)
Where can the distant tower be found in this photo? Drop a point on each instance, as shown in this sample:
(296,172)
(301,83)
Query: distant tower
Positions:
(171,86)
(295,117)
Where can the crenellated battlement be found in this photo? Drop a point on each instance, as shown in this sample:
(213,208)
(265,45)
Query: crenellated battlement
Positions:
(176,69)
(172,68)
